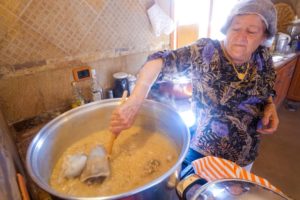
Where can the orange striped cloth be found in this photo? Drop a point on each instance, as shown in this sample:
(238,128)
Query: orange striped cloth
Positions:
(212,168)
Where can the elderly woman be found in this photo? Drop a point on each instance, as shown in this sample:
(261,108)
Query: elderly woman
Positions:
(232,85)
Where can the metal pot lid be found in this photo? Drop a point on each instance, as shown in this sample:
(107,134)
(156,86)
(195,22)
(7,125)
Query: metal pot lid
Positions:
(235,189)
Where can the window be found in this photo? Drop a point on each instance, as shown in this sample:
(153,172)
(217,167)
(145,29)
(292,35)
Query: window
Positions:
(199,18)
(220,11)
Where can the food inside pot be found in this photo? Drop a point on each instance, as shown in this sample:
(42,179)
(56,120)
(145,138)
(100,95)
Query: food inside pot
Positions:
(139,156)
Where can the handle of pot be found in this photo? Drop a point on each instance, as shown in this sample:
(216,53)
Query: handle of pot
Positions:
(172,181)
(187,187)
(285,35)
(289,38)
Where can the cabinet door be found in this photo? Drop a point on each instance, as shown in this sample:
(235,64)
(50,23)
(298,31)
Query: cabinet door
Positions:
(283,80)
(294,90)
(278,87)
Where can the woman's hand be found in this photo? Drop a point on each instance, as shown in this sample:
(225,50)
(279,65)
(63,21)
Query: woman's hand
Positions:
(270,120)
(124,116)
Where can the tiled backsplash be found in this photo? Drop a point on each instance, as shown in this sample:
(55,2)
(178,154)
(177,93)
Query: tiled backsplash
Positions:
(41,41)
(36,30)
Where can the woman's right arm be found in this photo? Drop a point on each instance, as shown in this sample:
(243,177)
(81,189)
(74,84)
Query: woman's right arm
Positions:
(124,116)
(169,62)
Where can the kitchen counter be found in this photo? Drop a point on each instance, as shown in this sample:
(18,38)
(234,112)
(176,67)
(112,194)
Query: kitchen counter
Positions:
(285,67)
(281,59)
(25,132)
(27,129)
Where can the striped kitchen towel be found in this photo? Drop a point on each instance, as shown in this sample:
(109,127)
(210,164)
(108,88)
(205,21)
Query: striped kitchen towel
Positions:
(212,168)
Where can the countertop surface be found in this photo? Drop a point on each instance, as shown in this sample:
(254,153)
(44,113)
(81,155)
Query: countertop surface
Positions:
(281,59)
(25,132)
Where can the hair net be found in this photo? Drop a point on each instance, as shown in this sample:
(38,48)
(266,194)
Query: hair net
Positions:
(263,8)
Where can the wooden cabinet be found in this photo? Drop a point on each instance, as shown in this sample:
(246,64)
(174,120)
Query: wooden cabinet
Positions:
(283,80)
(294,90)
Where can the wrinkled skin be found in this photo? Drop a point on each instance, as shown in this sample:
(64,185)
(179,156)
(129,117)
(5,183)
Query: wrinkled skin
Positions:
(124,116)
(270,120)
(244,35)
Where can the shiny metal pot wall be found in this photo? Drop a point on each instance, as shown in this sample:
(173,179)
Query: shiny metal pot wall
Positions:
(63,131)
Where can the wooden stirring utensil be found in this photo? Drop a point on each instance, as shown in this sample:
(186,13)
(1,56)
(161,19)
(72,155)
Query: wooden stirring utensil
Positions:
(114,136)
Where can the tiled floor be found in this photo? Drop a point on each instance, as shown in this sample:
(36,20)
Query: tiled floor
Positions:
(279,158)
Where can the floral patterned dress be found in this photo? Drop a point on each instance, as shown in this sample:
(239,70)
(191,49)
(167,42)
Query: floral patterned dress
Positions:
(228,110)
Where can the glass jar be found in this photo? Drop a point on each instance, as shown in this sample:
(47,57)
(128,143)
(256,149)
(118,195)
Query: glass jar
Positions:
(77,99)
(120,83)
(110,94)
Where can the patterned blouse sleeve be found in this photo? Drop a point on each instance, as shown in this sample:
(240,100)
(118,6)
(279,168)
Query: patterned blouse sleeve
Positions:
(270,73)
(176,62)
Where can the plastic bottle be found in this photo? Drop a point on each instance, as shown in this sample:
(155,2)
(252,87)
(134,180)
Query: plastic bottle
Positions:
(131,83)
(96,89)
(78,99)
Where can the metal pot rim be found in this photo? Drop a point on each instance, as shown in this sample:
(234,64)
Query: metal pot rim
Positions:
(38,141)
(207,185)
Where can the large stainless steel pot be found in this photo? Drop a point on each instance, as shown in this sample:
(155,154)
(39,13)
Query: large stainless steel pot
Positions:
(63,131)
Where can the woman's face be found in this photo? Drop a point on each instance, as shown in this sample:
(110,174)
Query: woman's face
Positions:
(244,35)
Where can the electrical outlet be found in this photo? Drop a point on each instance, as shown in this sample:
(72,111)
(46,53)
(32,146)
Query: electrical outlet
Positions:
(82,73)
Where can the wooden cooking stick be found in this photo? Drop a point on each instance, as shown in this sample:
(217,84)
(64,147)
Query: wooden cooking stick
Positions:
(22,186)
(114,136)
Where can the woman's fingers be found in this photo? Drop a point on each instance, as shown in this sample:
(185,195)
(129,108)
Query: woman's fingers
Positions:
(117,126)
(266,118)
(125,124)
(266,131)
(116,129)
(123,117)
(270,120)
